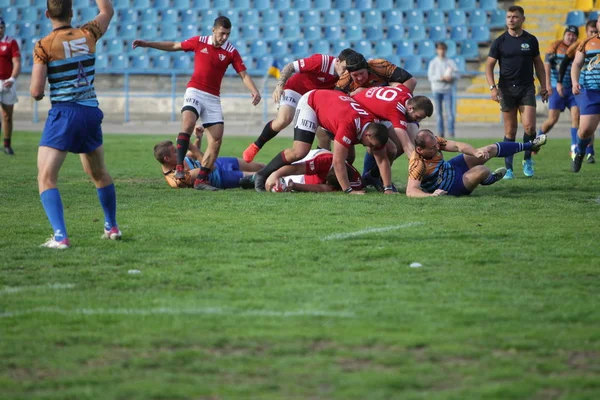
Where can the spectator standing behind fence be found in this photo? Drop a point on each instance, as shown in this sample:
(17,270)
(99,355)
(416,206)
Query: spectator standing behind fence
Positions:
(518,52)
(442,73)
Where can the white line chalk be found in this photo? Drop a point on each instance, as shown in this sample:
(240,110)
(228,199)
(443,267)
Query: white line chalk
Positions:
(17,289)
(338,236)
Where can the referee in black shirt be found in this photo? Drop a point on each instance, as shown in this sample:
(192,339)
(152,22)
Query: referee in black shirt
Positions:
(518,52)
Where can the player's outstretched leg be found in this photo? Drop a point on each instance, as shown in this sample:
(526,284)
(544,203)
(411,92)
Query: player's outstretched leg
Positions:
(267,134)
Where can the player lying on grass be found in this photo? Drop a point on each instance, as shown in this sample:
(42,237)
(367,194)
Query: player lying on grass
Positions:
(314,173)
(226,172)
(430,175)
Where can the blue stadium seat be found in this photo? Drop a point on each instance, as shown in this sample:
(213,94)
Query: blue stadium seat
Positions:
(249,32)
(127,16)
(312,32)
(425,5)
(593,15)
(393,17)
(434,18)
(111,32)
(26,29)
(384,48)
(169,32)
(140,62)
(426,49)
(283,5)
(414,17)
(446,5)
(250,17)
(269,17)
(373,17)
(437,33)
(394,59)
(413,64)
(121,4)
(459,33)
(279,48)
(404,5)
(225,4)
(497,18)
(488,5)
(478,18)
(310,17)
(188,31)
(101,62)
(300,48)
(331,17)
(200,4)
(169,16)
(29,14)
(190,17)
(150,15)
(10,15)
(405,48)
(352,32)
(258,48)
(352,17)
(302,5)
(576,18)
(332,32)
(384,4)
(28,45)
(262,64)
(239,5)
(241,46)
(87,14)
(260,5)
(141,4)
(233,15)
(115,47)
(342,4)
(290,17)
(373,33)
(149,32)
(6,3)
(415,32)
(339,45)
(321,46)
(283,61)
(45,28)
(118,62)
(291,32)
(182,63)
(208,16)
(395,32)
(322,5)
(469,49)
(451,44)
(481,34)
(364,47)
(161,4)
(461,64)
(457,18)
(467,4)
(363,5)
(162,62)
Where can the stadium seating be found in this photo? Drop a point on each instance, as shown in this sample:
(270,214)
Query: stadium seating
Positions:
(467,4)
(278,48)
(416,32)
(250,17)
(497,18)
(576,18)
(437,33)
(405,48)
(413,64)
(283,5)
(403,5)
(373,17)
(331,17)
(469,49)
(457,18)
(384,48)
(291,32)
(488,5)
(426,49)
(332,32)
(446,5)
(364,47)
(478,18)
(395,32)
(162,62)
(300,48)
(322,5)
(480,34)
(290,17)
(435,18)
(270,17)
(321,46)
(373,33)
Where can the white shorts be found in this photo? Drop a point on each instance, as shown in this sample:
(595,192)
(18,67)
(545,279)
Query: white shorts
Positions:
(289,98)
(206,106)
(8,96)
(305,117)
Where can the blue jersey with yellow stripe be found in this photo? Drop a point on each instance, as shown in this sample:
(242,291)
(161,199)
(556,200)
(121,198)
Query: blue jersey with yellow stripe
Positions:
(590,72)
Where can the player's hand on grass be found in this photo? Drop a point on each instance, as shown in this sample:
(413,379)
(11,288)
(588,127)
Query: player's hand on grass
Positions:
(255,98)
(357,192)
(290,186)
(277,93)
(439,192)
(270,182)
(139,43)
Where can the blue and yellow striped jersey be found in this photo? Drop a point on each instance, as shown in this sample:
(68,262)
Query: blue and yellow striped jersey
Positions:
(590,73)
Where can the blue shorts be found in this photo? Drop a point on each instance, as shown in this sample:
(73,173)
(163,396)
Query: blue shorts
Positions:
(589,102)
(226,174)
(555,102)
(73,127)
(460,168)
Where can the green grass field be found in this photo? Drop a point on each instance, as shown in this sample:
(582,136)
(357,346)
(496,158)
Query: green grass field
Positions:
(261,296)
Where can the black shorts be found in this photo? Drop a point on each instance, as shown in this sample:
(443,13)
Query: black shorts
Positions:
(513,97)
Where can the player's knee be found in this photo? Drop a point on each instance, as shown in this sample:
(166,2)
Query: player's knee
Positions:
(282,121)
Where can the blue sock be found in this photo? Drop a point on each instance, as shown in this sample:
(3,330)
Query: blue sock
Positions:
(490,180)
(590,150)
(508,160)
(368,163)
(108,200)
(540,132)
(527,138)
(54,211)
(582,144)
(573,136)
(506,149)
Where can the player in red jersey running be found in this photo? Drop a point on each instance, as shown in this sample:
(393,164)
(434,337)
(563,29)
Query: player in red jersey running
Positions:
(347,124)
(319,71)
(212,55)
(10,68)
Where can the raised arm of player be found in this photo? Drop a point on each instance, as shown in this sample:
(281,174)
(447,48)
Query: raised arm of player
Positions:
(286,73)
(247,79)
(164,46)
(540,71)
(385,169)
(195,149)
(465,148)
(490,64)
(106,12)
(576,70)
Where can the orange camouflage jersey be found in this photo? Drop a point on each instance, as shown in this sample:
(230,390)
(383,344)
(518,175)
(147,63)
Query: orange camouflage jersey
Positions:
(590,72)
(381,73)
(187,182)
(69,54)
(433,174)
(554,56)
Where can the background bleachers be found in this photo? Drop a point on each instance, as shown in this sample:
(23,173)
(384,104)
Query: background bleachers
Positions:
(264,30)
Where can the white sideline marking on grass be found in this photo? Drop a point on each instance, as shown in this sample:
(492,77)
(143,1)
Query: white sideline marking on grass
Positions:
(177,311)
(337,236)
(17,289)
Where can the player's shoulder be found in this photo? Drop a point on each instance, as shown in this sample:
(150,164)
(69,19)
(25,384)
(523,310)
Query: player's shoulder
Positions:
(9,40)
(554,46)
(229,47)
(585,42)
(93,28)
(377,63)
